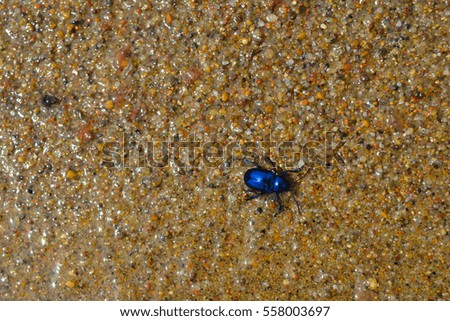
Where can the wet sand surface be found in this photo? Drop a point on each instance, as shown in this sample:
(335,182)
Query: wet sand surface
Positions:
(369,78)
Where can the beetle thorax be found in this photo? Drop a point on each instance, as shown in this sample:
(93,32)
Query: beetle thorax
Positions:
(280,184)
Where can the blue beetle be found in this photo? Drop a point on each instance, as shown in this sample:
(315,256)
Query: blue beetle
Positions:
(270,181)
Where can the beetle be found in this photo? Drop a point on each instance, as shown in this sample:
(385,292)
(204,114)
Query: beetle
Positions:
(269,181)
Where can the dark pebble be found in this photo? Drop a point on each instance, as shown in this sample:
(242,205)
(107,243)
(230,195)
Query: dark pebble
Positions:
(49,100)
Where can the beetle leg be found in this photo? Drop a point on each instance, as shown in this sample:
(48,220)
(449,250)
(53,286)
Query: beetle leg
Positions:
(268,159)
(297,170)
(253,197)
(280,206)
(252,162)
(298,206)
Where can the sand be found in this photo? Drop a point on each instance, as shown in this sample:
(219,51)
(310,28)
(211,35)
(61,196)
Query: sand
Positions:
(359,89)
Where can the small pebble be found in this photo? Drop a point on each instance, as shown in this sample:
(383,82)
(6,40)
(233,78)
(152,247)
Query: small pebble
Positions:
(244,41)
(373,284)
(302,36)
(268,54)
(268,109)
(409,131)
(109,104)
(71,174)
(156,181)
(169,18)
(225,97)
(272,18)
(49,100)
